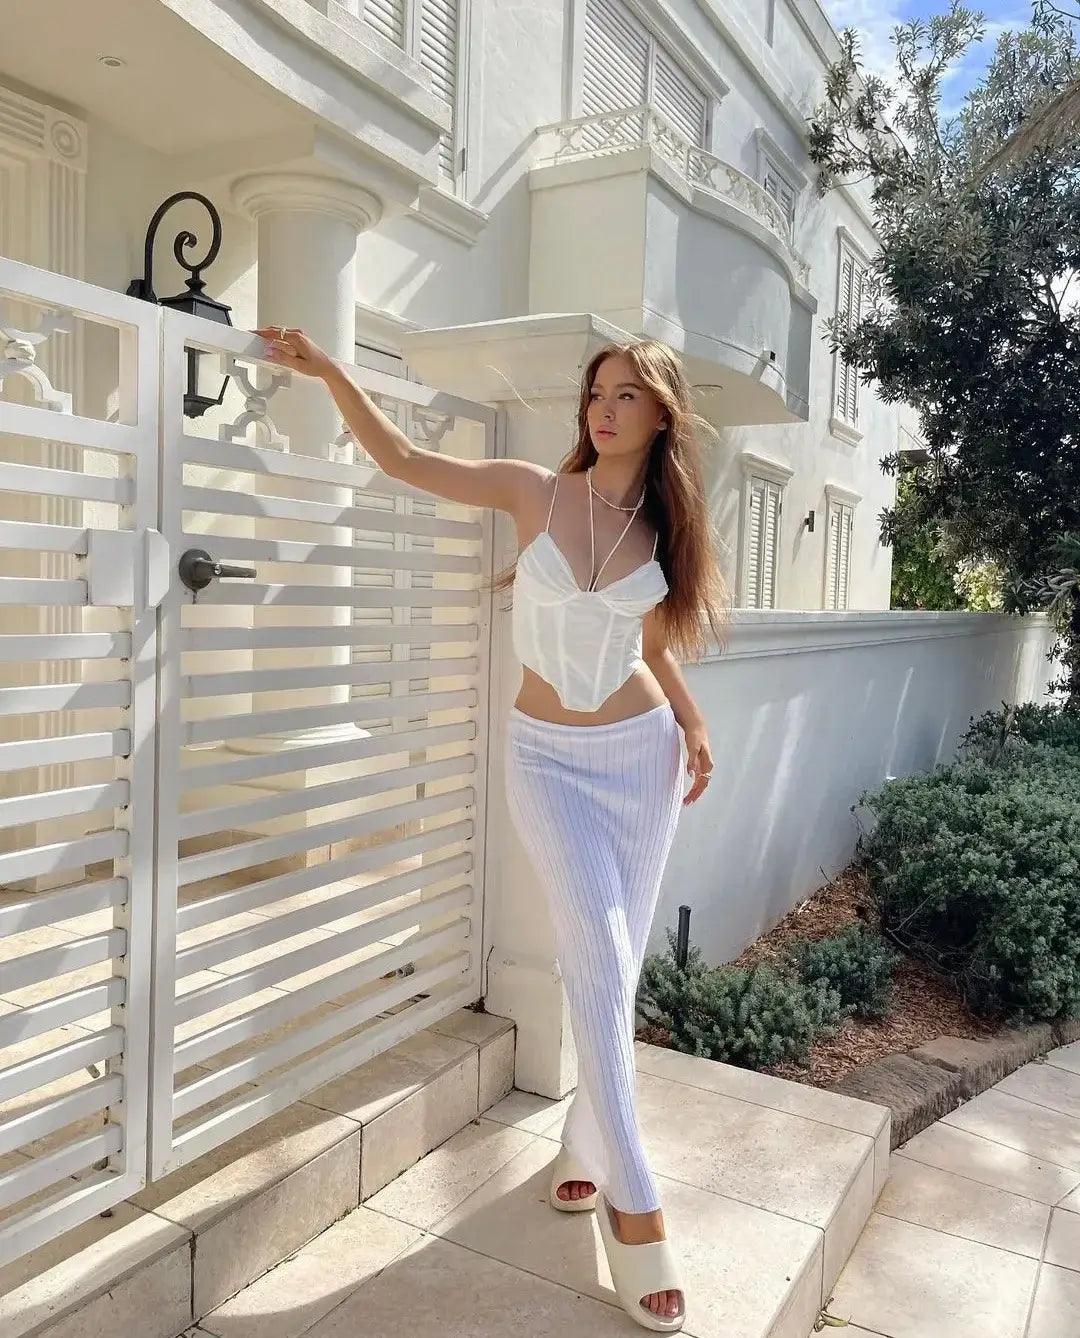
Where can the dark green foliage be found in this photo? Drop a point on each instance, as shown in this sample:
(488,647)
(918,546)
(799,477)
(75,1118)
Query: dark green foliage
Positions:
(856,963)
(753,1018)
(975,868)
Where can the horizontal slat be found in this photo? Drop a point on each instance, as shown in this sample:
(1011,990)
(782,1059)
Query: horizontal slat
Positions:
(336,596)
(222,502)
(63,803)
(297,638)
(310,1074)
(52,1215)
(26,590)
(64,903)
(269,462)
(235,548)
(291,680)
(28,420)
(35,1019)
(323,952)
(50,1116)
(32,968)
(64,697)
(63,855)
(65,748)
(19,535)
(267,891)
(211,863)
(42,1172)
(197,1049)
(30,1075)
(62,482)
(278,929)
(66,646)
(227,1079)
(323,755)
(408,705)
(243,817)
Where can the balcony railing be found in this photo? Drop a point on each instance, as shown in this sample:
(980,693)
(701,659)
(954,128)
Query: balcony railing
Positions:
(608,133)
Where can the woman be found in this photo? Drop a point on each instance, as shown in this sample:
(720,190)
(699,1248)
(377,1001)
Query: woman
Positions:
(593,751)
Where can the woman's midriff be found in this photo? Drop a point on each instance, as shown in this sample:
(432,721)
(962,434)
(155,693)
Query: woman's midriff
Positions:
(640,692)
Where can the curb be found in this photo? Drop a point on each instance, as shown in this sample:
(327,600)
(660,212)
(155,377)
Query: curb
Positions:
(924,1083)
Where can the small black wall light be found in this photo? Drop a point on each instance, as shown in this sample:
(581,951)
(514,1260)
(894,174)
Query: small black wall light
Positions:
(195,301)
(809,522)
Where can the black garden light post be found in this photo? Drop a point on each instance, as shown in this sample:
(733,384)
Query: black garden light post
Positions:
(195,301)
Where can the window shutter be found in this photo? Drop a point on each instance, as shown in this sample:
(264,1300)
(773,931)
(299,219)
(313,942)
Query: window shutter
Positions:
(615,70)
(762,529)
(849,310)
(832,558)
(844,563)
(386,17)
(780,189)
(677,98)
(438,55)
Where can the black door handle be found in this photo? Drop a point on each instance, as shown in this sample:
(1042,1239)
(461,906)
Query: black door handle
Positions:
(197,569)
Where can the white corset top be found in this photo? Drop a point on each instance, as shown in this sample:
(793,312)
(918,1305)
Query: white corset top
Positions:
(585,643)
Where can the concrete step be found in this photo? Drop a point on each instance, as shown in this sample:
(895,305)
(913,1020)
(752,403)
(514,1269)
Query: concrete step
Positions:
(185,1244)
(765,1185)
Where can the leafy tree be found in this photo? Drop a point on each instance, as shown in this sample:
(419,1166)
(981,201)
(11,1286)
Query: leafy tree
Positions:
(970,316)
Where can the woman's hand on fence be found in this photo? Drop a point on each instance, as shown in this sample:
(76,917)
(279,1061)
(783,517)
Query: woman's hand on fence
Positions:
(292,348)
(698,762)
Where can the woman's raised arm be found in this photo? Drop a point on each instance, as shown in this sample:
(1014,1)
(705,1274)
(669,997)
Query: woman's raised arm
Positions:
(501,484)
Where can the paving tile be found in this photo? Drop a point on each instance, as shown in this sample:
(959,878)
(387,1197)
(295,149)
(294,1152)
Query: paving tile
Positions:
(990,1163)
(1022,1125)
(733,1148)
(532,1113)
(97,1277)
(1066,1057)
(907,1281)
(446,1177)
(217,1183)
(438,1290)
(761,1089)
(744,1269)
(1056,1313)
(934,1198)
(1063,1243)
(290,1298)
(1046,1085)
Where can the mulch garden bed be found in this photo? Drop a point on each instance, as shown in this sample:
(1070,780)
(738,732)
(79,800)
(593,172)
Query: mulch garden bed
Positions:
(924,1007)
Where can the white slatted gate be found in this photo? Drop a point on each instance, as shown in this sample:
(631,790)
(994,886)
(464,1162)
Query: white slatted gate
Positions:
(290,828)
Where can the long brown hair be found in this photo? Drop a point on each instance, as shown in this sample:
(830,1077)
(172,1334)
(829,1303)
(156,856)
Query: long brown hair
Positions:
(674,503)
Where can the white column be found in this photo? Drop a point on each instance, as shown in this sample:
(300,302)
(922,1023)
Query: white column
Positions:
(307,234)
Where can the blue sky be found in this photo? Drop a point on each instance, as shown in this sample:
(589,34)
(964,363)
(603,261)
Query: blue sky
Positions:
(875,19)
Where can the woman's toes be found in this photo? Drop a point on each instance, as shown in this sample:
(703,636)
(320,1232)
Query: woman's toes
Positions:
(663,1303)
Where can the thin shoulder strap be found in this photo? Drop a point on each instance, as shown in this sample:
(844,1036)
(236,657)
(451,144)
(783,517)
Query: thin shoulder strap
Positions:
(552,506)
(656,538)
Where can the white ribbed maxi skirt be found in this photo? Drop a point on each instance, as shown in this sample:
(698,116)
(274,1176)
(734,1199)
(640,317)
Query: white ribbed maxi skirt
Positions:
(596,808)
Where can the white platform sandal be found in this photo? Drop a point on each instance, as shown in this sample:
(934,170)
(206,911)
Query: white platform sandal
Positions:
(565,1168)
(639,1270)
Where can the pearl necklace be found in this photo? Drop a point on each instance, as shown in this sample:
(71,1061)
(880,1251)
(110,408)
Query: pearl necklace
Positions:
(614,505)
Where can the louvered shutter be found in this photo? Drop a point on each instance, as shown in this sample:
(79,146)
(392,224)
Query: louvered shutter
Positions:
(849,309)
(844,564)
(780,190)
(762,529)
(386,17)
(615,66)
(832,560)
(438,55)
(677,98)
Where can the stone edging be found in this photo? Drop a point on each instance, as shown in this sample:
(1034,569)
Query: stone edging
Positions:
(922,1084)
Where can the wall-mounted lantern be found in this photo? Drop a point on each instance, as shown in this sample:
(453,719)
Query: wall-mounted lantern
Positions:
(195,301)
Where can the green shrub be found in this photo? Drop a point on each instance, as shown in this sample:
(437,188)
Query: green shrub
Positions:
(1019,724)
(753,1018)
(856,963)
(975,868)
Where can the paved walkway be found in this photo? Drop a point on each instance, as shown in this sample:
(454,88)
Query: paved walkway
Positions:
(977,1232)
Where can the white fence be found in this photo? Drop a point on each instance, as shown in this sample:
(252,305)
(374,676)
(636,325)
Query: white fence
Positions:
(249,855)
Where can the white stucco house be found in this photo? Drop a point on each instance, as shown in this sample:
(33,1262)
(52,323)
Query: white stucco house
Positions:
(232,814)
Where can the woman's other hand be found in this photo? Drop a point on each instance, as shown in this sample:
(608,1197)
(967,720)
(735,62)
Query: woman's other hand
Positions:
(293,349)
(698,762)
